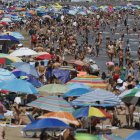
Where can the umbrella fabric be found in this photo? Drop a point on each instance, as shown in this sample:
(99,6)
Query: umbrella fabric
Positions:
(16,35)
(6,20)
(62,75)
(84,136)
(8,38)
(77,62)
(27,68)
(91,112)
(92,81)
(77,85)
(110,137)
(18,73)
(134,136)
(44,56)
(52,103)
(6,75)
(131,96)
(97,95)
(7,59)
(23,52)
(48,124)
(17,85)
(53,89)
(64,116)
(76,92)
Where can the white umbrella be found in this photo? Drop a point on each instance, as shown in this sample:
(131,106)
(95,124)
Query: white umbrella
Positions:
(23,52)
(6,20)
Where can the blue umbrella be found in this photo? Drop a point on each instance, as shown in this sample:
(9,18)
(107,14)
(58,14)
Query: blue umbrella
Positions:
(19,73)
(134,136)
(6,75)
(17,85)
(77,85)
(48,124)
(76,92)
(25,67)
(8,39)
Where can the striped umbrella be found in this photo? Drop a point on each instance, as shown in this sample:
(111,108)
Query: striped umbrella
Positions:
(64,116)
(97,95)
(52,103)
(92,81)
(6,75)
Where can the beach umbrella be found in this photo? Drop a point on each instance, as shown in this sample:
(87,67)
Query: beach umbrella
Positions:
(62,75)
(17,35)
(134,136)
(131,96)
(44,56)
(7,59)
(77,62)
(91,112)
(8,39)
(47,124)
(64,116)
(52,89)
(26,67)
(97,95)
(52,103)
(77,85)
(6,20)
(17,85)
(76,92)
(6,75)
(90,80)
(84,136)
(23,52)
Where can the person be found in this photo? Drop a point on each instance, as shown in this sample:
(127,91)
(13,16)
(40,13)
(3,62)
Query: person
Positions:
(97,46)
(93,68)
(33,40)
(2,133)
(129,114)
(43,135)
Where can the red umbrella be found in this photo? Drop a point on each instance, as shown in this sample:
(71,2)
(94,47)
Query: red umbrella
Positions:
(3,23)
(44,56)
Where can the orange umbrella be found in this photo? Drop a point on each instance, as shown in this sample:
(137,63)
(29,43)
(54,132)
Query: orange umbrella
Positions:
(64,116)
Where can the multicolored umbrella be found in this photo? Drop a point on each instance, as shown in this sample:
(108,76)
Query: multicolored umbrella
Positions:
(17,85)
(95,96)
(134,136)
(6,75)
(131,96)
(76,92)
(52,89)
(64,116)
(47,124)
(91,112)
(91,81)
(7,59)
(8,39)
(52,103)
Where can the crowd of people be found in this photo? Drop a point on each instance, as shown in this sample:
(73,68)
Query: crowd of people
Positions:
(78,37)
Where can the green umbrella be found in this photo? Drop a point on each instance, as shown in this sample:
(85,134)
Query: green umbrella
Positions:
(131,96)
(53,89)
(82,136)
